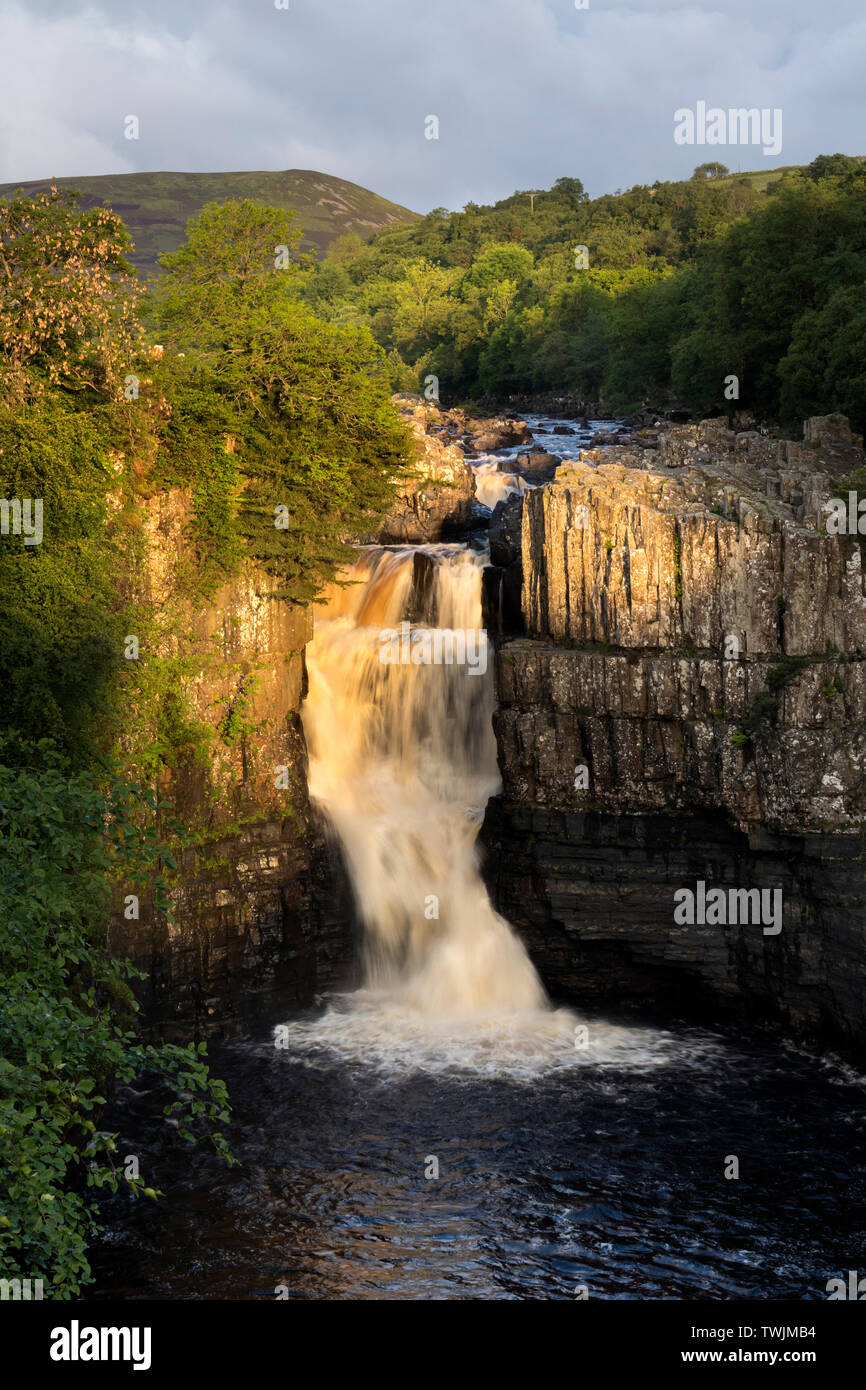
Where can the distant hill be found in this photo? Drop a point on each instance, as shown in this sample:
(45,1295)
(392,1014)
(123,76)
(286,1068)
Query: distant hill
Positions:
(156,207)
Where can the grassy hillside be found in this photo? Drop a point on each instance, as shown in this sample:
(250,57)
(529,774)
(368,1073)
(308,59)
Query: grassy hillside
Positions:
(761,179)
(156,207)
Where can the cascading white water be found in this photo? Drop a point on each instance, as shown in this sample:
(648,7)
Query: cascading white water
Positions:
(492,485)
(403,760)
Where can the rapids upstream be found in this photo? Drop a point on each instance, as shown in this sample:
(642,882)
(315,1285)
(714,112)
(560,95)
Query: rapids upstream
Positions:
(447,1131)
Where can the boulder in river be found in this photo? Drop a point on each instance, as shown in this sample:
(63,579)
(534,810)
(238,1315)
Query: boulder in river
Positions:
(538,466)
(501,432)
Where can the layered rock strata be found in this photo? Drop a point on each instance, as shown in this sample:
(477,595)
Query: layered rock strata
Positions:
(688,705)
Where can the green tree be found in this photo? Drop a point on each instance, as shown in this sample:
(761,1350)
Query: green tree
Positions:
(419,306)
(60,615)
(317,443)
(237,265)
(67,299)
(832,166)
(67,1011)
(824,369)
(571,191)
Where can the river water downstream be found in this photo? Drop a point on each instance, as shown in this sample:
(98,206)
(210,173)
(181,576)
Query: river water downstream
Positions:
(448,1131)
(608,1175)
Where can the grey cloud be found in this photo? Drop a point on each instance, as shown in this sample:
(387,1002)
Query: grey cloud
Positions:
(525,90)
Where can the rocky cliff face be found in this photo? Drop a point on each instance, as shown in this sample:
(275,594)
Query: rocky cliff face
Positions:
(688,705)
(261,911)
(438,499)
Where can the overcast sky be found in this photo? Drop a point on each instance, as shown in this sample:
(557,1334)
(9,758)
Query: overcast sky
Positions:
(524,90)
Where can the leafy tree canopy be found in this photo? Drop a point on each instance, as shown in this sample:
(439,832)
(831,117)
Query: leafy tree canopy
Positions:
(655,295)
(315,442)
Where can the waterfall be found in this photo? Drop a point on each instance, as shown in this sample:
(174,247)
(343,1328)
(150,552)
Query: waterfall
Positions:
(492,485)
(403,759)
(398,721)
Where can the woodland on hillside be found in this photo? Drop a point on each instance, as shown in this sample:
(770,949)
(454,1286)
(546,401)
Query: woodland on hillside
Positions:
(652,296)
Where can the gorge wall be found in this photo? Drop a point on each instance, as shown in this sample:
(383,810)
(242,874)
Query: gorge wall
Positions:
(680,684)
(261,913)
(436,499)
(261,910)
(687,703)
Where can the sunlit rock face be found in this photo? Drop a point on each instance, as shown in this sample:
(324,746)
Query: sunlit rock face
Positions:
(437,499)
(714,535)
(261,912)
(688,703)
(456,480)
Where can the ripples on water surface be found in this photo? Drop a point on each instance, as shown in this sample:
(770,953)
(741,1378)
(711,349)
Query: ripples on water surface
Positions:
(556,1169)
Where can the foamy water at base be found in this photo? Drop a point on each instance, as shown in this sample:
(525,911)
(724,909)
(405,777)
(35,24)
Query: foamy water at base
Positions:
(374,1030)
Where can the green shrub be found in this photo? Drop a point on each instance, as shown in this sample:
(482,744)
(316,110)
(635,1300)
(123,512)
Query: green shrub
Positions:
(67,1011)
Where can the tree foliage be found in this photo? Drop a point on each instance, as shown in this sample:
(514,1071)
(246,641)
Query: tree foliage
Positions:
(305,404)
(251,402)
(67,298)
(653,296)
(67,1011)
